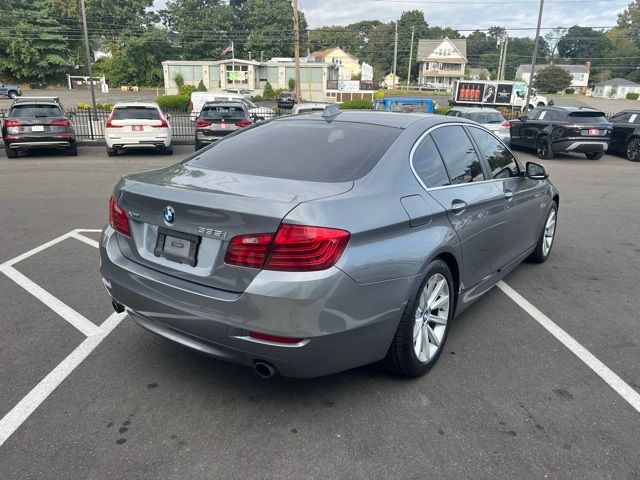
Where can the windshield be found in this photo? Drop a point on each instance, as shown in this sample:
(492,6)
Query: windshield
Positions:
(219,112)
(485,117)
(135,113)
(587,117)
(309,150)
(35,111)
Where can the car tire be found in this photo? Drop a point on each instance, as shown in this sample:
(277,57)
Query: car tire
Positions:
(417,344)
(111,152)
(72,150)
(547,236)
(594,155)
(12,94)
(544,149)
(633,150)
(168,150)
(11,153)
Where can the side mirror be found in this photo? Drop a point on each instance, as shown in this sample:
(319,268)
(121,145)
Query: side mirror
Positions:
(535,171)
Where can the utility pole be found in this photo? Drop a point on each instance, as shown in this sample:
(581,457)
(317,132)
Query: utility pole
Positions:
(504,57)
(395,54)
(88,53)
(296,47)
(533,58)
(413,31)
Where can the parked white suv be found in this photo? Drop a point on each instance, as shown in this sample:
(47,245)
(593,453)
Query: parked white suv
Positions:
(137,125)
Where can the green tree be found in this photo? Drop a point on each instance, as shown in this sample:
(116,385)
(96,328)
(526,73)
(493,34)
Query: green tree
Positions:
(291,83)
(582,43)
(32,44)
(552,79)
(269,93)
(412,18)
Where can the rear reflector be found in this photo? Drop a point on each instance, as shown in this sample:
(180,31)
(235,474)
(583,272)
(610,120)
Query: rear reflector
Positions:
(243,123)
(118,218)
(294,248)
(274,338)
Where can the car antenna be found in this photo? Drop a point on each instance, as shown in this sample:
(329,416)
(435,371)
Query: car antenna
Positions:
(331,112)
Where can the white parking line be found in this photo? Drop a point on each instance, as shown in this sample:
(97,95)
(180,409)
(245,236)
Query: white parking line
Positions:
(69,314)
(42,247)
(614,381)
(87,240)
(25,407)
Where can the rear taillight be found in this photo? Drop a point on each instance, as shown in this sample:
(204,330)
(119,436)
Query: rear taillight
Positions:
(293,248)
(274,338)
(243,123)
(163,121)
(12,123)
(61,123)
(110,124)
(202,123)
(118,218)
(506,124)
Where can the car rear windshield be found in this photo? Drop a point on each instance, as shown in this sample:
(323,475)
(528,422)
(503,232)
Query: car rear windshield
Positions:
(226,112)
(308,150)
(135,113)
(587,117)
(485,117)
(35,111)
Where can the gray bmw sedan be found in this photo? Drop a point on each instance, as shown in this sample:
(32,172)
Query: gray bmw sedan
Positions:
(313,244)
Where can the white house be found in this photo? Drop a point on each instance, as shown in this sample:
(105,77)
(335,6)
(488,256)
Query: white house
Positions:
(615,88)
(251,75)
(442,61)
(579,74)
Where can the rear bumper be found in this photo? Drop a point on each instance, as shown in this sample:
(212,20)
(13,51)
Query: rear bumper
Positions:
(344,324)
(39,143)
(581,146)
(150,141)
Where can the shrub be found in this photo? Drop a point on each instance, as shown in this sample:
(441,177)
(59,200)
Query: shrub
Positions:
(83,106)
(382,93)
(356,105)
(178,80)
(174,102)
(292,84)
(257,98)
(442,110)
(570,91)
(104,106)
(269,93)
(201,87)
(186,90)
(633,96)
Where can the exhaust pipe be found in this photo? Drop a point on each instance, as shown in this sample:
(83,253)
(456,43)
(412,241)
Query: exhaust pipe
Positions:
(264,369)
(118,307)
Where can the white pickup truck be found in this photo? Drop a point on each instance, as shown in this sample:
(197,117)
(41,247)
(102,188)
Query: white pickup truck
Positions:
(495,93)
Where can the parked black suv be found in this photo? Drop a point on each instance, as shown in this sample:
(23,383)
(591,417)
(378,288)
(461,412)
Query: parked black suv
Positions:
(552,130)
(286,100)
(626,134)
(38,122)
(216,120)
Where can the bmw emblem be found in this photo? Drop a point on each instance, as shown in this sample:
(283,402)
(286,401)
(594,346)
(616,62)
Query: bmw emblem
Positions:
(169,214)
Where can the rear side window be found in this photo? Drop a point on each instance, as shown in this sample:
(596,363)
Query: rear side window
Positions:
(135,113)
(486,117)
(501,161)
(222,112)
(458,154)
(311,150)
(35,111)
(428,165)
(587,117)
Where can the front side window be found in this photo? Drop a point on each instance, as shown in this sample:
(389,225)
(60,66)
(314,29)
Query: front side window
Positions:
(501,161)
(428,165)
(458,154)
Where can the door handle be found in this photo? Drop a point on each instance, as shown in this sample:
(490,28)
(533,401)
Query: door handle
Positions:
(508,195)
(458,206)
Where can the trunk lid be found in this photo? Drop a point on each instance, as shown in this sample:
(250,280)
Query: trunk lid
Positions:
(210,207)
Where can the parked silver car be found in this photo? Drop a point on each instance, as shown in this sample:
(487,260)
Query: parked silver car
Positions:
(489,117)
(318,243)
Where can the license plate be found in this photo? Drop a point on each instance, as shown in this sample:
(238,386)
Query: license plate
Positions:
(222,126)
(592,131)
(177,246)
(37,128)
(137,128)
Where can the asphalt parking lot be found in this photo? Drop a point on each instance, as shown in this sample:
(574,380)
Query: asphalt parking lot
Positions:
(87,394)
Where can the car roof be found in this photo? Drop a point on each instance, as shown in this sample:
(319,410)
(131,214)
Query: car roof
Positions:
(570,109)
(373,117)
(223,102)
(136,104)
(629,110)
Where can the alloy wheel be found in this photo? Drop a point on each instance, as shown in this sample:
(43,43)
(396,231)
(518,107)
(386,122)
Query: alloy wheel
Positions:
(633,150)
(549,232)
(542,148)
(431,317)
